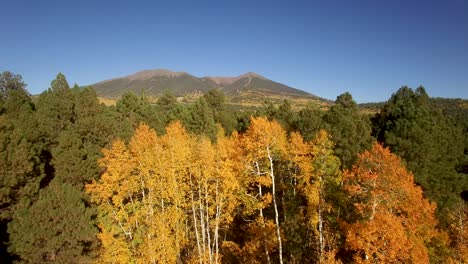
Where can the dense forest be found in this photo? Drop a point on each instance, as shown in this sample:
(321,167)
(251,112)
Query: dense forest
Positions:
(196,182)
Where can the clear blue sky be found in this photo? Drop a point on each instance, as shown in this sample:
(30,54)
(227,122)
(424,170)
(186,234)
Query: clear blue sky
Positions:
(369,48)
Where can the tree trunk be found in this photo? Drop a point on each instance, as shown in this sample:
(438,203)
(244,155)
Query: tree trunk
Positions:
(273,192)
(261,217)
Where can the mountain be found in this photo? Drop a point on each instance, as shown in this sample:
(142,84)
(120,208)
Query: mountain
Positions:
(243,88)
(153,83)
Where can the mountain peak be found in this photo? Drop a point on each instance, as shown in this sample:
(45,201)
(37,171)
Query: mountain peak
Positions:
(220,80)
(156,81)
(148,74)
(251,74)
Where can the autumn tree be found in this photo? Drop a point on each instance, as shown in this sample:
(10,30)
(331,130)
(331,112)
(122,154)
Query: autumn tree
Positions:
(327,178)
(264,144)
(316,170)
(165,199)
(213,189)
(138,202)
(458,230)
(393,222)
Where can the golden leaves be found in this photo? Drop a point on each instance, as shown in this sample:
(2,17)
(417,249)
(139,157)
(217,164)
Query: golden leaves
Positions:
(395,221)
(152,188)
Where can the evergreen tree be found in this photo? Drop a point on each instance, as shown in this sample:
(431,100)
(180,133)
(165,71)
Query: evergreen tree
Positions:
(56,228)
(10,82)
(22,158)
(200,119)
(350,131)
(217,102)
(55,109)
(309,121)
(215,99)
(138,109)
(79,146)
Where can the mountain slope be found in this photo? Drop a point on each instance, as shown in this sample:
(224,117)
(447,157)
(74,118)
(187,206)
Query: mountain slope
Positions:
(246,88)
(153,83)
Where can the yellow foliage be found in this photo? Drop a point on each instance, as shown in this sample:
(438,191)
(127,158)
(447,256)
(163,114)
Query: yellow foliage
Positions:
(156,188)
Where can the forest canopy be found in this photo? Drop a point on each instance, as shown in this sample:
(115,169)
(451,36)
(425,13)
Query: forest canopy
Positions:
(172,181)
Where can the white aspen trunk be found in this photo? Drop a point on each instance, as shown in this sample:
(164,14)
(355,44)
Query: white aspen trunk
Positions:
(133,205)
(207,208)
(261,216)
(195,222)
(320,227)
(218,216)
(202,221)
(217,220)
(128,233)
(273,191)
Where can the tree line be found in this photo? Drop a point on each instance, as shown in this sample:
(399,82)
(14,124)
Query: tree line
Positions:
(178,182)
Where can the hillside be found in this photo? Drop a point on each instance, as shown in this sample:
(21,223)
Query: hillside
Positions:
(246,89)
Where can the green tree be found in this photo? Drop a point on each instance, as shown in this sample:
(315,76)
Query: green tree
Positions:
(55,109)
(22,161)
(10,82)
(56,228)
(200,119)
(75,159)
(215,99)
(79,146)
(350,131)
(309,121)
(138,109)
(217,102)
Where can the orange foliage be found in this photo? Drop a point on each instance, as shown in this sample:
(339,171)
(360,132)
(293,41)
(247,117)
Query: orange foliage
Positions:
(394,221)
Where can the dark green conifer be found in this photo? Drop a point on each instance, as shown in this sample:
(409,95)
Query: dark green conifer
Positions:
(56,228)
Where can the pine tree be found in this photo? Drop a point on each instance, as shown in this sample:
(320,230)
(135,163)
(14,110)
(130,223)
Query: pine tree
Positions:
(10,82)
(22,161)
(350,131)
(56,228)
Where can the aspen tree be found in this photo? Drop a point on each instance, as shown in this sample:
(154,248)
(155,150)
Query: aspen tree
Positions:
(213,188)
(394,222)
(139,199)
(318,175)
(264,143)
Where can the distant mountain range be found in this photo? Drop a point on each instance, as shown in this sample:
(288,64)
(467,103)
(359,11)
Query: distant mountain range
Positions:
(244,88)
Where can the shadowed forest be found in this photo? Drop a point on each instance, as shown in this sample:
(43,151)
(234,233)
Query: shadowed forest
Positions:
(196,182)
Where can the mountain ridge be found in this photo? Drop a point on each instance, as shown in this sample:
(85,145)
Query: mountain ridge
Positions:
(249,87)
